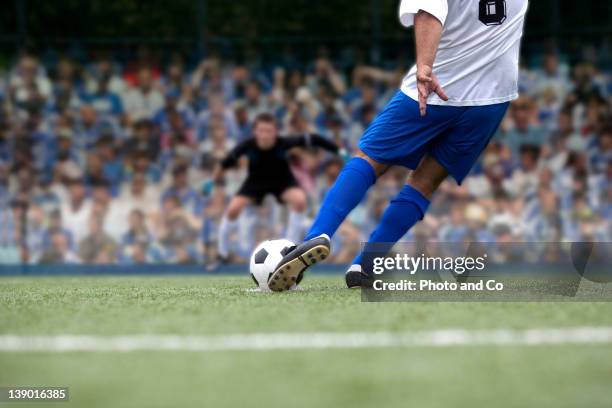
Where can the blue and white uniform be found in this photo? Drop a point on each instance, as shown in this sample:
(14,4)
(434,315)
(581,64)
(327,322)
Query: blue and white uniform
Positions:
(477,65)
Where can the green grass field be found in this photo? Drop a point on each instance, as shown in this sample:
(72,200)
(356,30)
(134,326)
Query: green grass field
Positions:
(563,375)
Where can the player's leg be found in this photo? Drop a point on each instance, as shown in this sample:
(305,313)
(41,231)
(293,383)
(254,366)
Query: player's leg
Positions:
(453,152)
(397,136)
(295,198)
(405,210)
(353,182)
(349,189)
(228,223)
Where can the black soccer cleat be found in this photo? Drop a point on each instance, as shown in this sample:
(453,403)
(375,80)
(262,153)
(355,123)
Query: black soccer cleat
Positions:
(355,278)
(217,263)
(291,268)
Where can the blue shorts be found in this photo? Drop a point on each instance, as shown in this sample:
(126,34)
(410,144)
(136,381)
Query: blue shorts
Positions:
(453,135)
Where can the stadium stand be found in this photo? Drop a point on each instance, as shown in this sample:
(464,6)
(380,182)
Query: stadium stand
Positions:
(109,163)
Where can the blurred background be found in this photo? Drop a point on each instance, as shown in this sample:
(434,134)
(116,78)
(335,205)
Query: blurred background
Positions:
(114,113)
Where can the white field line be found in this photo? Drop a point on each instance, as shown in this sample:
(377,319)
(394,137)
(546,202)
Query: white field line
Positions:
(291,341)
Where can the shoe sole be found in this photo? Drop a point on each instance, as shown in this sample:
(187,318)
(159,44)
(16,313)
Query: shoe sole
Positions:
(287,274)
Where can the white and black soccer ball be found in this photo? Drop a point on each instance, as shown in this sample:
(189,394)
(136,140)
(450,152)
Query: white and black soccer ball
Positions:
(265,259)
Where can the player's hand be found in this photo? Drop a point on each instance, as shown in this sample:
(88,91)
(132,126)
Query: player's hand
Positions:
(427,83)
(217,174)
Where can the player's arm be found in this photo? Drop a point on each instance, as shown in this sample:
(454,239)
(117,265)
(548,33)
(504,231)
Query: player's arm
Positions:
(231,160)
(427,32)
(310,140)
(428,18)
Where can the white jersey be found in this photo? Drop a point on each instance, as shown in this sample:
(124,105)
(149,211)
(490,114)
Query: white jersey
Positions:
(477,59)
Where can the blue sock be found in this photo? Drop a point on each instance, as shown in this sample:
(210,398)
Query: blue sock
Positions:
(403,212)
(350,187)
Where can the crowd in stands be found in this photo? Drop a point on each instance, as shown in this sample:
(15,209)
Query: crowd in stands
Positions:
(111,163)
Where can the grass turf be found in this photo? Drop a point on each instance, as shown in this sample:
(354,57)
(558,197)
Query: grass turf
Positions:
(564,375)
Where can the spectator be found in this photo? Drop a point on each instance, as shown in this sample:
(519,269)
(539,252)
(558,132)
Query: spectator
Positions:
(56,227)
(141,194)
(97,247)
(105,102)
(180,189)
(217,145)
(255,102)
(76,210)
(176,228)
(143,139)
(59,251)
(29,85)
(143,101)
(90,127)
(138,232)
(104,68)
(524,132)
(219,113)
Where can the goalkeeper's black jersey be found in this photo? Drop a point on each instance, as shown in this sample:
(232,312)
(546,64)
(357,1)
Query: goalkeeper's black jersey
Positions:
(271,166)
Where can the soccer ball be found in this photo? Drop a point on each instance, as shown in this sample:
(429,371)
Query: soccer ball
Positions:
(265,259)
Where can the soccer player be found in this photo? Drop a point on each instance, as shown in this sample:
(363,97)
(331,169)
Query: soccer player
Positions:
(268,173)
(448,108)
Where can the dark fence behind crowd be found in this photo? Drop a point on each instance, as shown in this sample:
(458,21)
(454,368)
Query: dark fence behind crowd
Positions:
(269,30)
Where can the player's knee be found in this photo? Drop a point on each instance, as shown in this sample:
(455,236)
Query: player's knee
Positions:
(427,177)
(379,168)
(298,203)
(233,212)
(232,215)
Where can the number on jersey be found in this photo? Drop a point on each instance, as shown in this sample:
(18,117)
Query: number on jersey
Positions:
(492,12)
